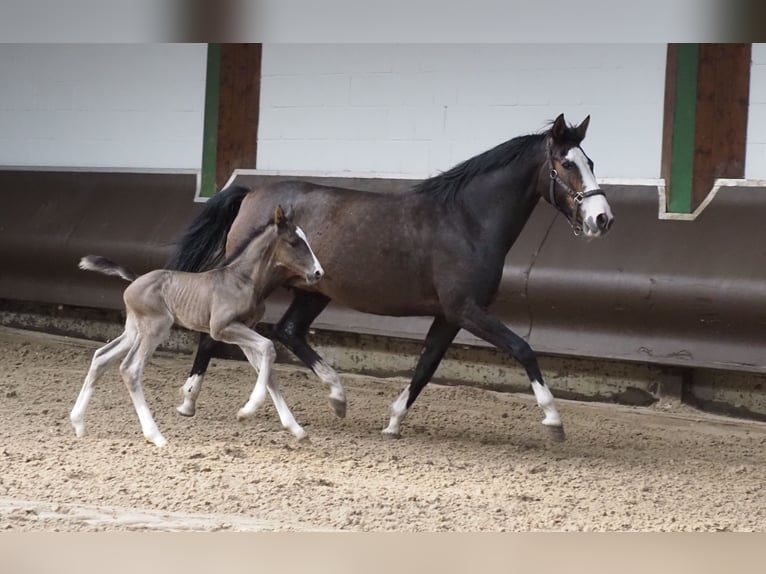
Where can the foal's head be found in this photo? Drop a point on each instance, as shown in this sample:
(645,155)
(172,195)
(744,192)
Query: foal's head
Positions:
(571,186)
(293,252)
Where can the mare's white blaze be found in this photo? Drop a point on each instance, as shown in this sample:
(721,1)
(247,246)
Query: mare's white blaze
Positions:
(317,265)
(594,205)
(190,391)
(545,401)
(398,412)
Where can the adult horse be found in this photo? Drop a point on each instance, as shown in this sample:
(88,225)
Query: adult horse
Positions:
(436,251)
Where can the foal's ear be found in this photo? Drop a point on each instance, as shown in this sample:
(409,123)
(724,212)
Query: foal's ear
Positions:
(280,219)
(582,129)
(559,128)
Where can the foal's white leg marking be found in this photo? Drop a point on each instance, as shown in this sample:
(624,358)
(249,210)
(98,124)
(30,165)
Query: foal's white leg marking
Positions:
(102,359)
(131,370)
(545,401)
(190,391)
(594,205)
(284,412)
(259,346)
(398,412)
(317,265)
(329,376)
(259,390)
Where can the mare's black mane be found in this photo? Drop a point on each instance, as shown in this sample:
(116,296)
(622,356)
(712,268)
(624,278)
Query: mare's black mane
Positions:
(447,185)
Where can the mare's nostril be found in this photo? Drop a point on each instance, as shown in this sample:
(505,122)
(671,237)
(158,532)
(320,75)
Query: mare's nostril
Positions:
(318,274)
(602,222)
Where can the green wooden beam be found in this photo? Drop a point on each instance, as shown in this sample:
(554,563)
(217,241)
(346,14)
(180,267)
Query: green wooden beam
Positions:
(210,134)
(684,125)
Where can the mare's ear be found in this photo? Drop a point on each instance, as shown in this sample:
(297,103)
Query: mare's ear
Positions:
(559,128)
(280,219)
(582,129)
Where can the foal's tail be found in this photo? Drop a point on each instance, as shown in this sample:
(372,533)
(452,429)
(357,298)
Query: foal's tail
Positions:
(107,267)
(203,244)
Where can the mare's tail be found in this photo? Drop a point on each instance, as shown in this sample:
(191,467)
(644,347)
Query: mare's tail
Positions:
(203,244)
(107,267)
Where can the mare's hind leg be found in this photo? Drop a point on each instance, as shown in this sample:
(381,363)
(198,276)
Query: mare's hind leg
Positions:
(291,332)
(261,355)
(476,320)
(102,359)
(438,339)
(193,385)
(151,334)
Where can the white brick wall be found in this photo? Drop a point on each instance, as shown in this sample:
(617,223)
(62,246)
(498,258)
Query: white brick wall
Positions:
(755,159)
(109,106)
(418,109)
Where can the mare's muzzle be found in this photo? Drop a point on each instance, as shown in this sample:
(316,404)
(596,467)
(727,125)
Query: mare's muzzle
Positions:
(598,225)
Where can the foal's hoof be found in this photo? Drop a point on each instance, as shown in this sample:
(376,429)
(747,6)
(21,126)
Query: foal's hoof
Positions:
(391,435)
(186,411)
(556,433)
(79,429)
(339,406)
(243,414)
(158,440)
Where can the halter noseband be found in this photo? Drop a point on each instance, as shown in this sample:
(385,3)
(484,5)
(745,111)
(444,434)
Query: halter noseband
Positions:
(578,196)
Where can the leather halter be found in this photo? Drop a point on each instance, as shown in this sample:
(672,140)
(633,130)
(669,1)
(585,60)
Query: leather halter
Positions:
(578,196)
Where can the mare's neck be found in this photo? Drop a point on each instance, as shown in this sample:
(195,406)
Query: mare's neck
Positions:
(500,201)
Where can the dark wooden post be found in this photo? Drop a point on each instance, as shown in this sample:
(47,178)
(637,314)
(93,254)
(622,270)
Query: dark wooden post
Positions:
(707,95)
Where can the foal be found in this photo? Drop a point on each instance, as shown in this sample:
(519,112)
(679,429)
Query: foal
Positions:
(213,302)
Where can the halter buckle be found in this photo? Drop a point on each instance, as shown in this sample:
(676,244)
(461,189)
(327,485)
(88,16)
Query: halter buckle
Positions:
(578,197)
(554,174)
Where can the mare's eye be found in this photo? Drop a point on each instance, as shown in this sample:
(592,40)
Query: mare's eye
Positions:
(566,164)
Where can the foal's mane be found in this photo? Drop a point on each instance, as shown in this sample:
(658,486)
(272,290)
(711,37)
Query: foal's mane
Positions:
(447,185)
(254,234)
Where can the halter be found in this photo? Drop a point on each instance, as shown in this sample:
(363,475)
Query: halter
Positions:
(578,196)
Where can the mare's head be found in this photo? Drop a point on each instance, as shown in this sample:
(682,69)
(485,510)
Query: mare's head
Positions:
(570,185)
(293,252)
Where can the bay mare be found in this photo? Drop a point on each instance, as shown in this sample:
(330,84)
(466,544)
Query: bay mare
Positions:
(223,302)
(436,251)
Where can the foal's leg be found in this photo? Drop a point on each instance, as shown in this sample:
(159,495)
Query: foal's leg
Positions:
(438,339)
(151,334)
(477,321)
(193,385)
(261,354)
(102,359)
(291,332)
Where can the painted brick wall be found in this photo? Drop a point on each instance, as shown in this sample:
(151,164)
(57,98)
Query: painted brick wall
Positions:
(134,106)
(418,109)
(755,160)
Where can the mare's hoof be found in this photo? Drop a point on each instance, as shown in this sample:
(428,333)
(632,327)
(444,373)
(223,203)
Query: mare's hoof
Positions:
(556,433)
(339,406)
(391,435)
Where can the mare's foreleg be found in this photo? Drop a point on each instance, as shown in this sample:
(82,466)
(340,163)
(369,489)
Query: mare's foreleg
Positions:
(291,332)
(438,340)
(476,320)
(193,385)
(261,354)
(151,334)
(102,359)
